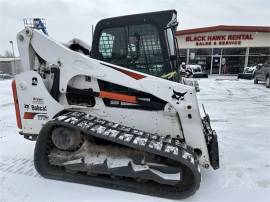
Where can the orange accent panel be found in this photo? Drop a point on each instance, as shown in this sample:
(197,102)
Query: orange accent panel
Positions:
(16,104)
(118,96)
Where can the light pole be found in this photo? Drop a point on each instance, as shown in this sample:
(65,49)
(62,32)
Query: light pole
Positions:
(11,42)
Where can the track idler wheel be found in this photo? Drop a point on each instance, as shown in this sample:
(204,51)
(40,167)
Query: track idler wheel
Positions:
(66,139)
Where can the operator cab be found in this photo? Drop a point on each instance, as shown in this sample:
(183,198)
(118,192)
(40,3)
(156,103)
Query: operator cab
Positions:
(142,42)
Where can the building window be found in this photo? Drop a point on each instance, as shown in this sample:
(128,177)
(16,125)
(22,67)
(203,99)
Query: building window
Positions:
(183,55)
(233,64)
(201,56)
(234,51)
(201,51)
(183,52)
(263,51)
(254,60)
(258,55)
(217,51)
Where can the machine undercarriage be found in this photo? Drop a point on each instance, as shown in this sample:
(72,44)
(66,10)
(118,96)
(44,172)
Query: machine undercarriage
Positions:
(78,144)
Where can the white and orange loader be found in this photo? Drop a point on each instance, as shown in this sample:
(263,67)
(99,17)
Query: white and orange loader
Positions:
(148,138)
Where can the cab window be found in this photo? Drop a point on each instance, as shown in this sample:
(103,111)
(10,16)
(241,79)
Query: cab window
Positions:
(136,47)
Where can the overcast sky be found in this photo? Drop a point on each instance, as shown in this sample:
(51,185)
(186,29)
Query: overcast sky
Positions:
(67,19)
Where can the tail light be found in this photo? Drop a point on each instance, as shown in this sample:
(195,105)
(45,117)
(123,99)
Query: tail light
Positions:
(16,103)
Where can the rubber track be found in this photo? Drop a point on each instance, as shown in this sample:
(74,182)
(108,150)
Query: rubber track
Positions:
(167,147)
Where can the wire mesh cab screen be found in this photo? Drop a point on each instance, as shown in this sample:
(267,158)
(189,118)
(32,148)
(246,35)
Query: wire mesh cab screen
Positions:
(136,47)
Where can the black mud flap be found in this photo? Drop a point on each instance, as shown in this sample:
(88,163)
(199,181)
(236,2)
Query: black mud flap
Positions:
(212,142)
(213,151)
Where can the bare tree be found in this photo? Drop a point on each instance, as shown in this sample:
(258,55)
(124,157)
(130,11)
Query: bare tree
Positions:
(8,54)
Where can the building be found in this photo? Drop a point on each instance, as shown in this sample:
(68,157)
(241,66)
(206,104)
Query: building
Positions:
(10,65)
(224,49)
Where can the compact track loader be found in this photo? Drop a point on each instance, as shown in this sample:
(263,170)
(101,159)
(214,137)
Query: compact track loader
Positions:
(104,116)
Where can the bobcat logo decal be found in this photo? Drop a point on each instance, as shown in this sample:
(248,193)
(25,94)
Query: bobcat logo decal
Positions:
(178,95)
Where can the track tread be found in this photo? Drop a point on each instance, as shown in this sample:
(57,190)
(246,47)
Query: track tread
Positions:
(168,147)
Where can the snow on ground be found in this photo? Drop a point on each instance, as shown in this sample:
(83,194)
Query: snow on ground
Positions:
(240,113)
